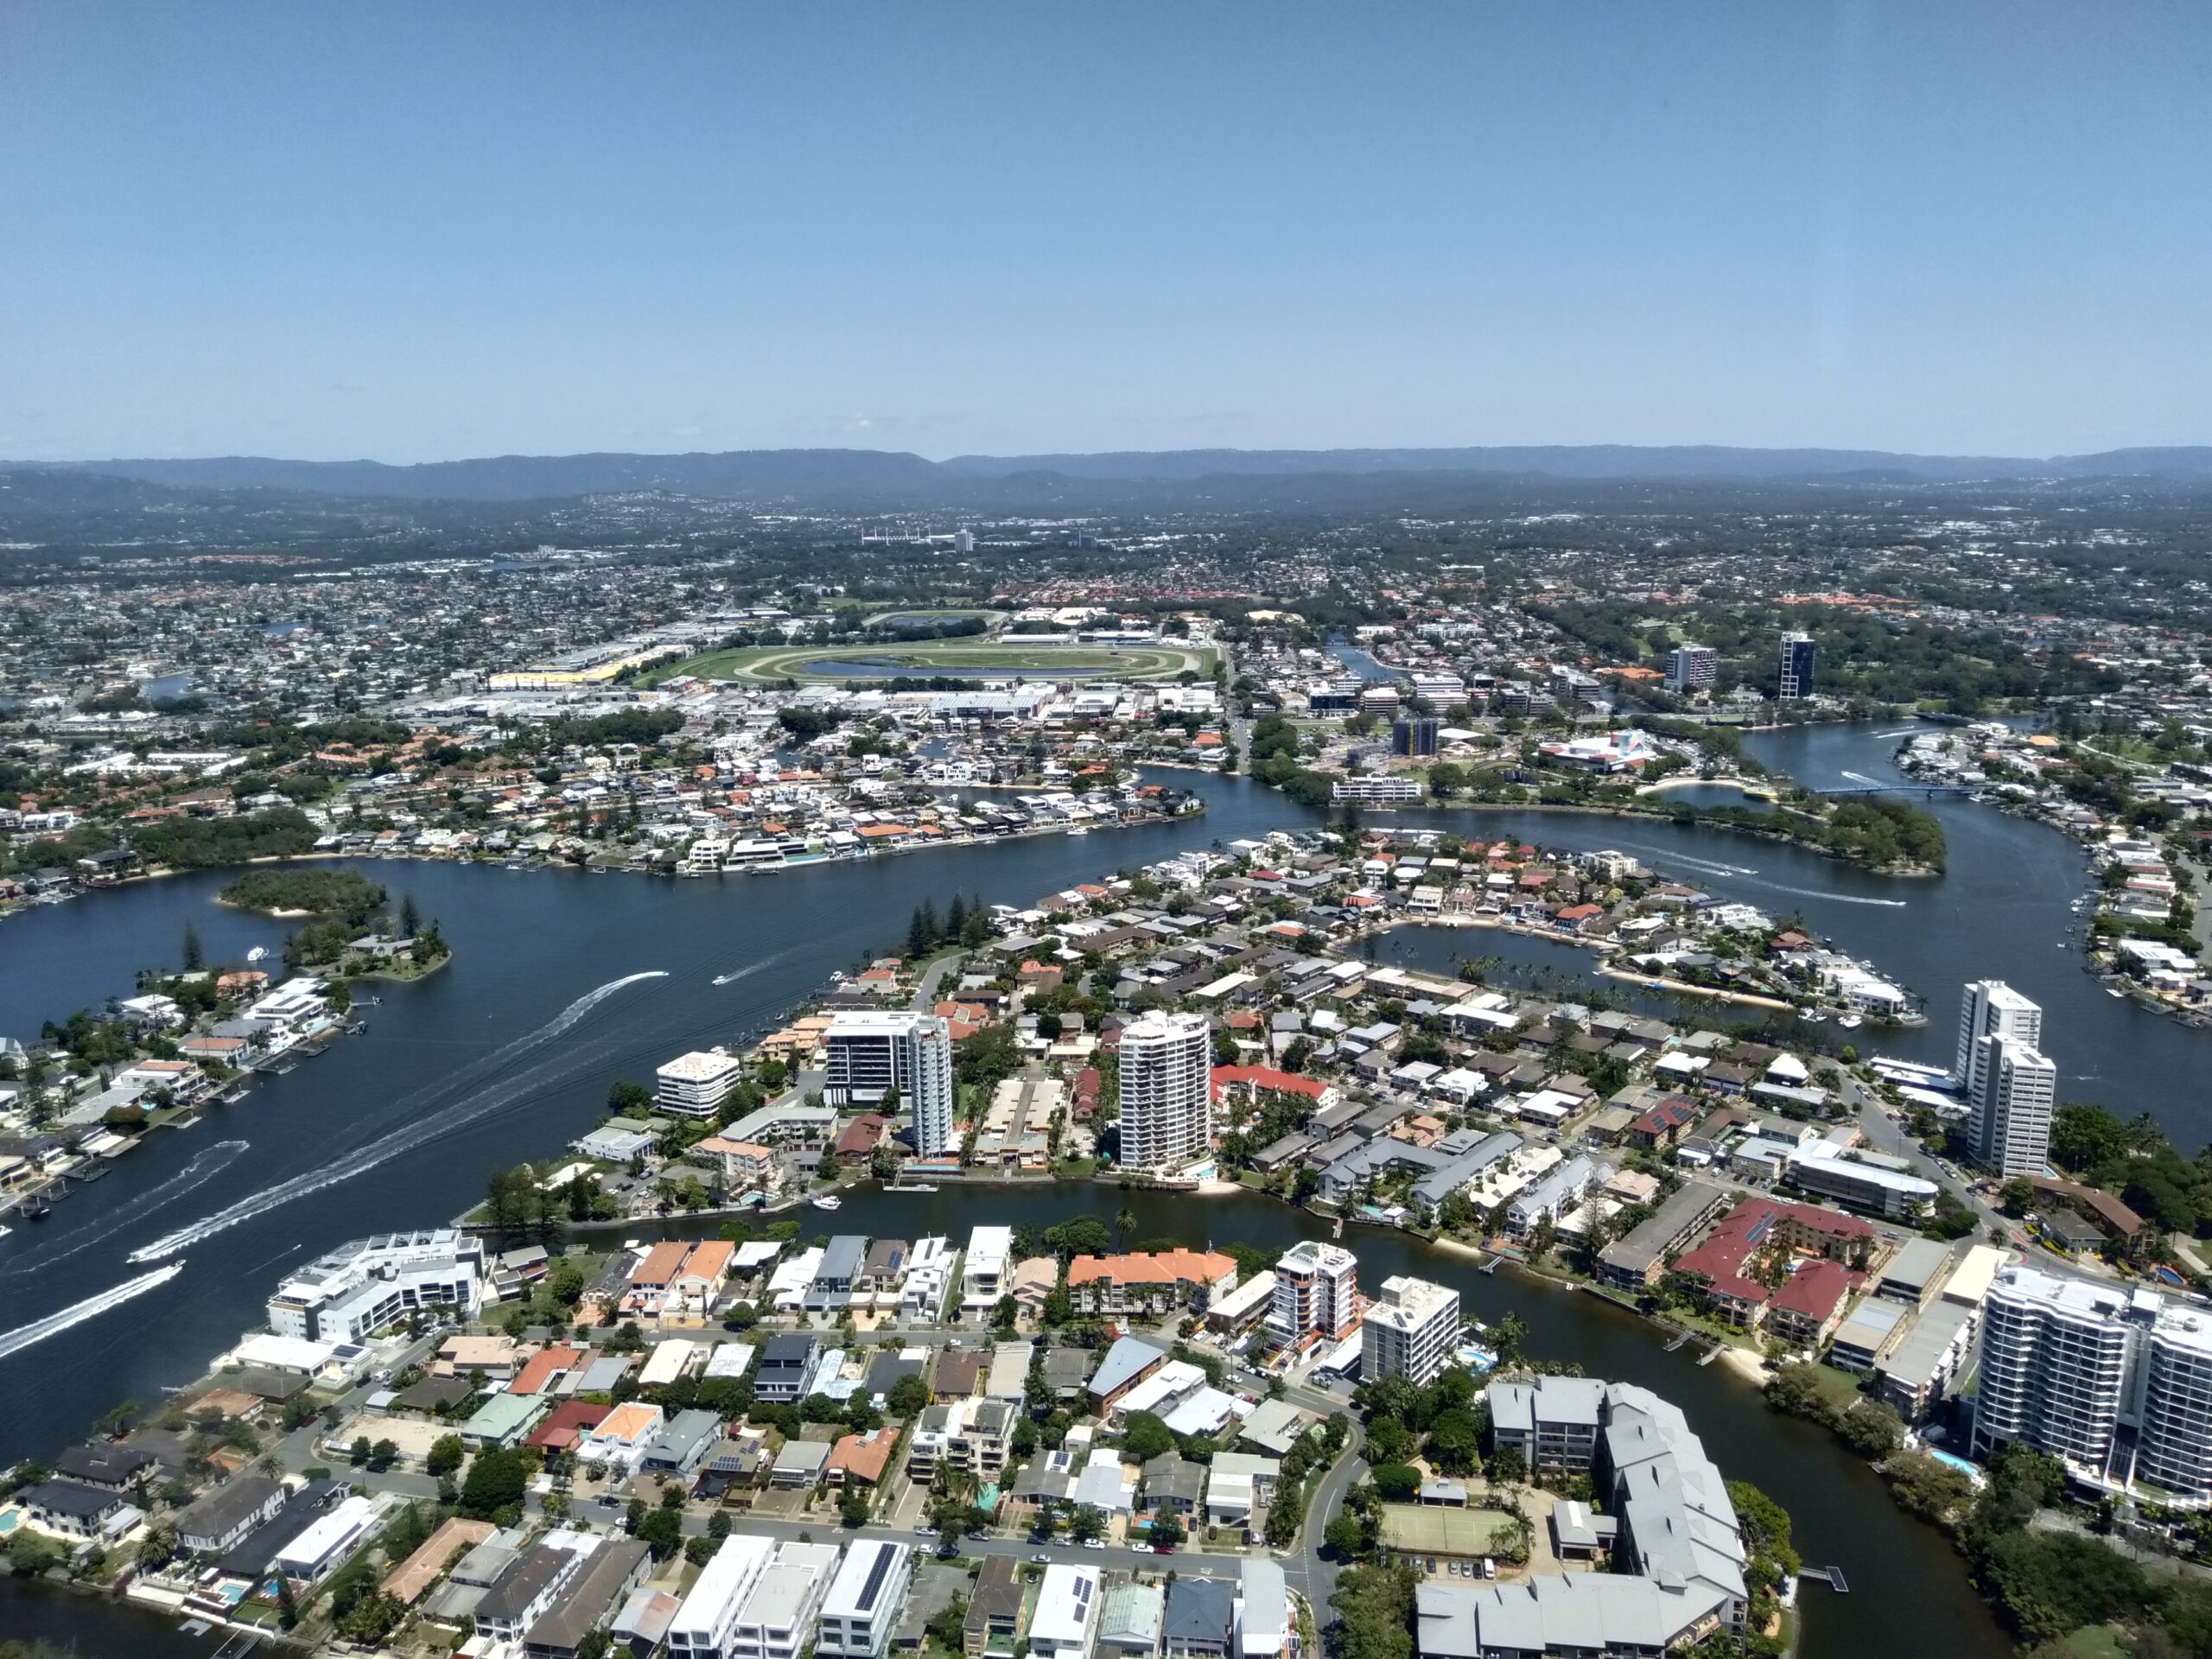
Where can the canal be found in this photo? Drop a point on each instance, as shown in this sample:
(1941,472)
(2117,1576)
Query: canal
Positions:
(504,1056)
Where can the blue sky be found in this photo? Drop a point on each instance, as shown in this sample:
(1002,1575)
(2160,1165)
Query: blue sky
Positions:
(418,232)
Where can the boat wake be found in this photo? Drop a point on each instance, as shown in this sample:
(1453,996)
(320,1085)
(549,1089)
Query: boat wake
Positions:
(747,973)
(1743,873)
(24,1336)
(1861,777)
(444,1121)
(204,1167)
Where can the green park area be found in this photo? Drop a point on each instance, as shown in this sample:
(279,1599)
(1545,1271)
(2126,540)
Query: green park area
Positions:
(772,665)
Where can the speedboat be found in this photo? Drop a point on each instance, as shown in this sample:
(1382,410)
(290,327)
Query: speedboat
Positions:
(257,953)
(829,1202)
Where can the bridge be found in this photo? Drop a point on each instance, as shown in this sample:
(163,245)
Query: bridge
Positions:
(1930,791)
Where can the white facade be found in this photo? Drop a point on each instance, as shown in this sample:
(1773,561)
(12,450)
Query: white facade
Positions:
(701,1627)
(983,1269)
(1692,668)
(871,1053)
(2066,1365)
(2010,1121)
(1167,1092)
(692,1085)
(361,1288)
(1991,1009)
(777,1619)
(1411,1332)
(1066,1615)
(1316,1292)
(329,1542)
(863,1600)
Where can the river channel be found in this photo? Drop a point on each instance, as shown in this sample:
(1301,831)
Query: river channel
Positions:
(504,1056)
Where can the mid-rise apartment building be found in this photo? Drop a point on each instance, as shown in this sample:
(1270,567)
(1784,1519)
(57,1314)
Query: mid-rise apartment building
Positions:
(2115,1382)
(1411,1333)
(862,1601)
(1316,1293)
(870,1054)
(693,1085)
(360,1288)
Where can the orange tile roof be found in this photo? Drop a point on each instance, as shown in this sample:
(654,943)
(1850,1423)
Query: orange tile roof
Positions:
(1164,1267)
(865,1457)
(539,1370)
(708,1261)
(661,1263)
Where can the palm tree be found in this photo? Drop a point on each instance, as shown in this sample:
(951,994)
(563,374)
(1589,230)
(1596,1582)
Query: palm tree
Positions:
(1506,1337)
(1125,1224)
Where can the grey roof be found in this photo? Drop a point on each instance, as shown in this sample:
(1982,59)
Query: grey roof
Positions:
(1126,1361)
(586,1604)
(217,1514)
(1132,1616)
(253,1553)
(67,1497)
(522,1582)
(684,1436)
(1200,1610)
(1918,1262)
(1170,1477)
(1913,1364)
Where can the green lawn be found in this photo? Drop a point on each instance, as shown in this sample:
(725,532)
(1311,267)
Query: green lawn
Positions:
(759,665)
(1433,1529)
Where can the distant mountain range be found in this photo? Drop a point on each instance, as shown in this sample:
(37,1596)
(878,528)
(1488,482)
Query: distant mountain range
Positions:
(1278,477)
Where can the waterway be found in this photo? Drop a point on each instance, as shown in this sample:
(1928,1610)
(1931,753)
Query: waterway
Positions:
(475,1067)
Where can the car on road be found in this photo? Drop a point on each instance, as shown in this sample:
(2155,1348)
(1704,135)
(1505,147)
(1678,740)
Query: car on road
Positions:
(925,1531)
(1041,1559)
(1094,1544)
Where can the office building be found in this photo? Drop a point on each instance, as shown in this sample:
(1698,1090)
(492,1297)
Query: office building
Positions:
(2115,1382)
(1166,1094)
(871,1054)
(1796,676)
(358,1288)
(2009,1120)
(1690,669)
(1316,1294)
(964,540)
(692,1085)
(1414,735)
(1411,1333)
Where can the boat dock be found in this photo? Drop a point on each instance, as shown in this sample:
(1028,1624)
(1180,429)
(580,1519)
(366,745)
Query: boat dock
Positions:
(1831,1576)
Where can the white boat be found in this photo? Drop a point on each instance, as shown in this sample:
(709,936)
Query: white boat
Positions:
(831,1202)
(918,1187)
(1079,830)
(724,979)
(1851,1022)
(2114,990)
(259,952)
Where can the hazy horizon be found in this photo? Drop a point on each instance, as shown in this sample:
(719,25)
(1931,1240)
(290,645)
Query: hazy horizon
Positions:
(417,233)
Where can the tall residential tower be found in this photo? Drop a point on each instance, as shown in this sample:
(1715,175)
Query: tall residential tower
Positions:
(1167,1092)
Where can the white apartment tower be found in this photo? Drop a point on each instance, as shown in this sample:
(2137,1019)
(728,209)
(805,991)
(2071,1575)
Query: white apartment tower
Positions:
(871,1053)
(1991,1009)
(2067,1365)
(2009,1088)
(1411,1332)
(2010,1121)
(1316,1293)
(1692,668)
(1167,1092)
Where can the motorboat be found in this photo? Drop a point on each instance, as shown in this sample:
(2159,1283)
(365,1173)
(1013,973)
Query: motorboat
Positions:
(829,1202)
(259,953)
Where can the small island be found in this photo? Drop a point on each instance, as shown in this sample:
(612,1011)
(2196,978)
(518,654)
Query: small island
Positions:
(306,893)
(350,932)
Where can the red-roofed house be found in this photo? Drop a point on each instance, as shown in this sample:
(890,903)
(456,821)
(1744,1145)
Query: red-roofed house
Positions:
(1810,1304)
(565,1424)
(1663,1124)
(1249,1082)
(1151,1284)
(546,1367)
(861,1137)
